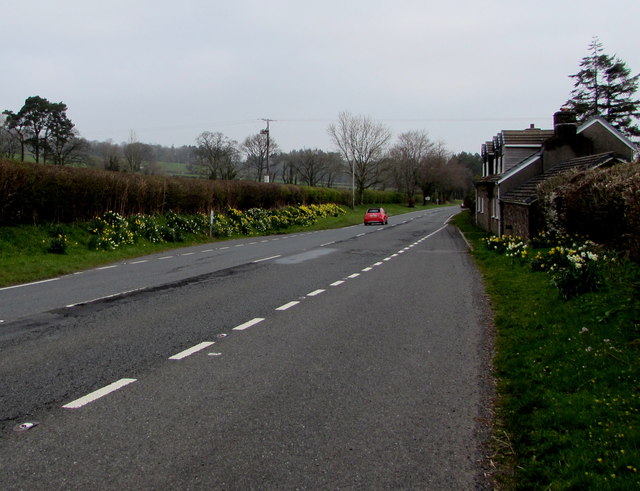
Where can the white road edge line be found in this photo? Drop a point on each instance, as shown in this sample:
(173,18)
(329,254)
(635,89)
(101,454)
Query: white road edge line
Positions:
(192,350)
(265,258)
(29,284)
(140,262)
(107,267)
(248,324)
(288,305)
(83,401)
(103,298)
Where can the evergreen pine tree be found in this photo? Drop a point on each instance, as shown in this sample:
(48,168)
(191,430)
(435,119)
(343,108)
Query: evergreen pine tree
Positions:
(604,87)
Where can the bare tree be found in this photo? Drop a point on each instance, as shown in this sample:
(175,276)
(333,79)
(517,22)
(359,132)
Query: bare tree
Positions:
(361,142)
(406,158)
(335,168)
(433,169)
(72,150)
(9,140)
(443,175)
(255,147)
(285,164)
(109,153)
(136,153)
(217,156)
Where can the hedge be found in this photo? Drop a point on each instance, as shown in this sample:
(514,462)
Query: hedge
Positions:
(36,193)
(601,204)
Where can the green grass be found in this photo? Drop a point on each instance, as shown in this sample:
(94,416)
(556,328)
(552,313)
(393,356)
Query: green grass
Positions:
(175,169)
(24,257)
(568,377)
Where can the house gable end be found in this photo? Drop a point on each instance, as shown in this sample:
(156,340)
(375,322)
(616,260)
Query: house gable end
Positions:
(606,138)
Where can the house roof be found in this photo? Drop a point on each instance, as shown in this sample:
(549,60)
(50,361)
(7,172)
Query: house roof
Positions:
(600,120)
(526,194)
(531,137)
(528,137)
(532,159)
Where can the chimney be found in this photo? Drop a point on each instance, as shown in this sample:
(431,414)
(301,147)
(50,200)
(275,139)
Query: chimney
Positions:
(565,124)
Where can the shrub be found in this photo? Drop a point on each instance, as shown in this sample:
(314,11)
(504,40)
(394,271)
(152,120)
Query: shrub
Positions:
(58,244)
(602,204)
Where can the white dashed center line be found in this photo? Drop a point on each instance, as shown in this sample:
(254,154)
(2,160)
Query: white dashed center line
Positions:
(248,324)
(336,283)
(314,293)
(83,401)
(288,305)
(192,350)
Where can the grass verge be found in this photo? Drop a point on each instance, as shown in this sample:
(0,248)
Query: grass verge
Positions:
(568,376)
(24,255)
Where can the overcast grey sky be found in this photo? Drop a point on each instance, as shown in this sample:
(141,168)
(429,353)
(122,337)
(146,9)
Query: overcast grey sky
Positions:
(461,70)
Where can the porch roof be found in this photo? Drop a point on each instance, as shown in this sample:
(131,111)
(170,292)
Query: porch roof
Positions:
(526,194)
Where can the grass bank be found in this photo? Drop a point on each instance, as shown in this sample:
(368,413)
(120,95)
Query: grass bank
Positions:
(568,373)
(24,256)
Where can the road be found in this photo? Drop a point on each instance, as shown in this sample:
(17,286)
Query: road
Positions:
(355,358)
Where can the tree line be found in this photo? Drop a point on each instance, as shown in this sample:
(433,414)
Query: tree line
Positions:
(365,155)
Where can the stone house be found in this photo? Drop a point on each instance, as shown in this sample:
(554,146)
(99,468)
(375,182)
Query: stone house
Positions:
(515,162)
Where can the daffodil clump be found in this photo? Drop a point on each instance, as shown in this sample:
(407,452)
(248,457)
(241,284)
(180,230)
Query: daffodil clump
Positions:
(511,246)
(574,264)
(112,230)
(574,269)
(57,244)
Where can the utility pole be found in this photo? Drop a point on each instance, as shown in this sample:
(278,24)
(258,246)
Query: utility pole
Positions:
(266,132)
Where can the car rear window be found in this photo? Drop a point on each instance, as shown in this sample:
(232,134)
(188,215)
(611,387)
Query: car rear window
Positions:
(373,210)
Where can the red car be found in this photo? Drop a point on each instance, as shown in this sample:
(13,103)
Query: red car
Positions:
(376,215)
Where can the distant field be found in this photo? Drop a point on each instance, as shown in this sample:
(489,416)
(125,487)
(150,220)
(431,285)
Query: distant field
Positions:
(175,169)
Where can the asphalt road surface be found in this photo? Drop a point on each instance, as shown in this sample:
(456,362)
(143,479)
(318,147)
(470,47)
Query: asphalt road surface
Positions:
(348,359)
